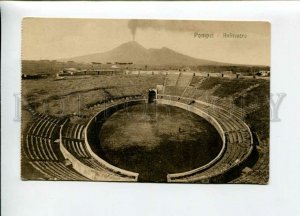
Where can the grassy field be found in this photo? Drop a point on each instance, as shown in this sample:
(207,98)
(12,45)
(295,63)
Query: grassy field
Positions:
(244,93)
(259,120)
(65,96)
(228,86)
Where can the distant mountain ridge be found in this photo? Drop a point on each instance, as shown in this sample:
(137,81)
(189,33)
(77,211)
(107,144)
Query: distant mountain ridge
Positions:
(136,53)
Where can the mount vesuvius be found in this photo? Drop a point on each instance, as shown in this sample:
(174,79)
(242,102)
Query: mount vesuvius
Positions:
(136,53)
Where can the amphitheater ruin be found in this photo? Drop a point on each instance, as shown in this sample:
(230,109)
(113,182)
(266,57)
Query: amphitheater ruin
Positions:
(59,145)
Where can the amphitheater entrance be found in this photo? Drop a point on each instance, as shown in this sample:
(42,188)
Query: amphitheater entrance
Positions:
(152,95)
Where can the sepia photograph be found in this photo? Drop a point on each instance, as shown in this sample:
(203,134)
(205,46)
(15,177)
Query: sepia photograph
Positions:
(138,100)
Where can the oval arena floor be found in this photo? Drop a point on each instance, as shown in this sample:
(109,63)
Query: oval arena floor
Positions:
(144,138)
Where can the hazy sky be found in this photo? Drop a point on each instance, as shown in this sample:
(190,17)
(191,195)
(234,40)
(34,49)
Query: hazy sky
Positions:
(64,38)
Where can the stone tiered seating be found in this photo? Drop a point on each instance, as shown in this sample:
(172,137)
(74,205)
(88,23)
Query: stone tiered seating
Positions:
(39,148)
(179,91)
(259,173)
(72,140)
(197,80)
(76,147)
(42,151)
(189,92)
(232,109)
(230,122)
(53,170)
(75,131)
(205,94)
(251,108)
(170,90)
(173,90)
(132,90)
(40,136)
(171,79)
(184,79)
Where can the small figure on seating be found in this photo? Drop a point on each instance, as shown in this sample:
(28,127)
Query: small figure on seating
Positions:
(180,130)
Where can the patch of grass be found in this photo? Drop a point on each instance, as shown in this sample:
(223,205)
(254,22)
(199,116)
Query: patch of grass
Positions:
(229,87)
(259,122)
(209,83)
(196,80)
(260,95)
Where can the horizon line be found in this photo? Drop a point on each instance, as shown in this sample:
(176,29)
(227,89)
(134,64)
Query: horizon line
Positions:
(60,59)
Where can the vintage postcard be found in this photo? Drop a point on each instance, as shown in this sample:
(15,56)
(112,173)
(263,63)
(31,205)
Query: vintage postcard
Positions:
(174,101)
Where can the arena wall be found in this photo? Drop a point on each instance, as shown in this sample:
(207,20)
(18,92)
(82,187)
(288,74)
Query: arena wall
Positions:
(93,174)
(90,137)
(212,121)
